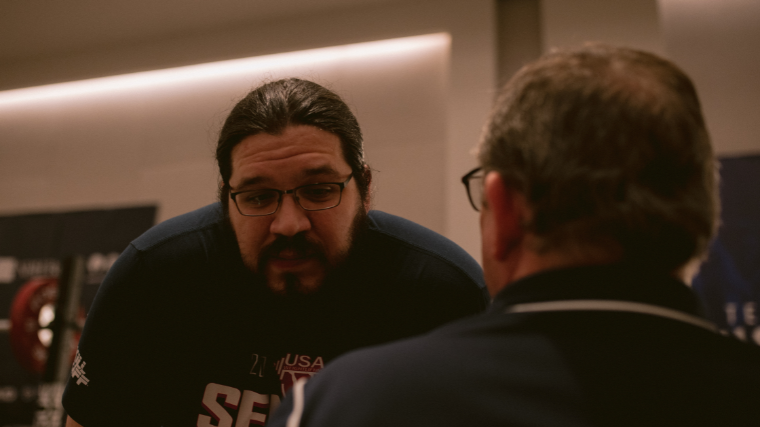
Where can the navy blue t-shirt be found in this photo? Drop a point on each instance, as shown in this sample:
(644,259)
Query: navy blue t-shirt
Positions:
(612,345)
(182,333)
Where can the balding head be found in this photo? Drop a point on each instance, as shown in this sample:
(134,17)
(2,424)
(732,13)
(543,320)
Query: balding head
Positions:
(609,147)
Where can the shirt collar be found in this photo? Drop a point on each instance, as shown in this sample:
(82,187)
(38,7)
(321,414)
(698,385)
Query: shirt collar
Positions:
(603,282)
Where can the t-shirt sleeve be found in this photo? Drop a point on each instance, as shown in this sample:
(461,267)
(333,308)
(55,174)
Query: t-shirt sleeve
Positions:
(439,292)
(112,379)
(430,280)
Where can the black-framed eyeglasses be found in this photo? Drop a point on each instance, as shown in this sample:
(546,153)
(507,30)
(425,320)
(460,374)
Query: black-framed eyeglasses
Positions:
(473,182)
(310,197)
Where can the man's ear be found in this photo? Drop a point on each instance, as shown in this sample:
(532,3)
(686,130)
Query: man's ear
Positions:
(509,211)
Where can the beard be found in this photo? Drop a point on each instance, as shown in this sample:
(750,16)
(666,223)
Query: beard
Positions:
(291,284)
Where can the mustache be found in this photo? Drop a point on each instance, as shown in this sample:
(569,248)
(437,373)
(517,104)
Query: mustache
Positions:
(298,244)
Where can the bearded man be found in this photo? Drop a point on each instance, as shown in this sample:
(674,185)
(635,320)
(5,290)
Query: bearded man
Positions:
(209,318)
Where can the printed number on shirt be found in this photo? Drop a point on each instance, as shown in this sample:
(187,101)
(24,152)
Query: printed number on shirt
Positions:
(258,364)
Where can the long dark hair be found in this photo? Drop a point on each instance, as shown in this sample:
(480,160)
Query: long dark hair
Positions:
(273,106)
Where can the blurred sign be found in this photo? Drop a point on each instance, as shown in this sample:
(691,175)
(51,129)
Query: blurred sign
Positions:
(33,246)
(729,282)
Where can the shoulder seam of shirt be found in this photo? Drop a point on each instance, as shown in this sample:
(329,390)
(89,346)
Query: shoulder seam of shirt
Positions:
(170,237)
(428,252)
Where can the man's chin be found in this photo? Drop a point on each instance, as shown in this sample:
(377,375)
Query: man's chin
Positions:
(293,284)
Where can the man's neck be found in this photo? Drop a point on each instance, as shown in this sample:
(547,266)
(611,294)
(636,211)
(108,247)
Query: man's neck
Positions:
(525,260)
(529,262)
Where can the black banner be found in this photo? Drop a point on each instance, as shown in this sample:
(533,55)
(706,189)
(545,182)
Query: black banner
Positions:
(33,246)
(729,281)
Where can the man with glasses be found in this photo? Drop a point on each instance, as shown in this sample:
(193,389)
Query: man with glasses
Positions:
(598,199)
(209,318)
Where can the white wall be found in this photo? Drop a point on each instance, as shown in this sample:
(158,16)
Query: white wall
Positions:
(421,117)
(715,41)
(718,44)
(146,142)
(633,23)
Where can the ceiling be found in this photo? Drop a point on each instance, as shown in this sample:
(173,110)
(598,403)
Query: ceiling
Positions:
(32,29)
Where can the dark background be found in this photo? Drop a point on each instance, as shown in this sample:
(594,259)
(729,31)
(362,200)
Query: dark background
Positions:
(729,282)
(34,245)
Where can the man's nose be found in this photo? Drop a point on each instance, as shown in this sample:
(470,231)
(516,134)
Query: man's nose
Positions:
(290,219)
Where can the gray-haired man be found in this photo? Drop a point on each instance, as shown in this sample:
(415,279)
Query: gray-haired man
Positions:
(597,194)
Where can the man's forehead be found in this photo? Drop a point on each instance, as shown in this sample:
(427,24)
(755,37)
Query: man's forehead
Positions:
(297,154)
(294,141)
(310,173)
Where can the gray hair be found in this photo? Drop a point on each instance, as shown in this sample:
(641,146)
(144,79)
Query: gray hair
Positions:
(610,149)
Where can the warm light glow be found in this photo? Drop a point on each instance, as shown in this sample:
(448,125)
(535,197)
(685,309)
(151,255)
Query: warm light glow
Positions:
(47,315)
(221,69)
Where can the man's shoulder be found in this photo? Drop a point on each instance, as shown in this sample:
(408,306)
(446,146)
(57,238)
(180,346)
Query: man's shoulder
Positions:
(190,225)
(439,351)
(168,259)
(395,380)
(420,241)
(413,234)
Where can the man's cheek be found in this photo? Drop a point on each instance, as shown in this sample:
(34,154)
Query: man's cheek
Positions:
(251,250)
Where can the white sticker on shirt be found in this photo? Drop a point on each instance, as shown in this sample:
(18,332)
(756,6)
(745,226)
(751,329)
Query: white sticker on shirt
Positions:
(77,370)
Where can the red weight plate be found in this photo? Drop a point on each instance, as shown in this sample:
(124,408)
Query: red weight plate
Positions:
(29,351)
